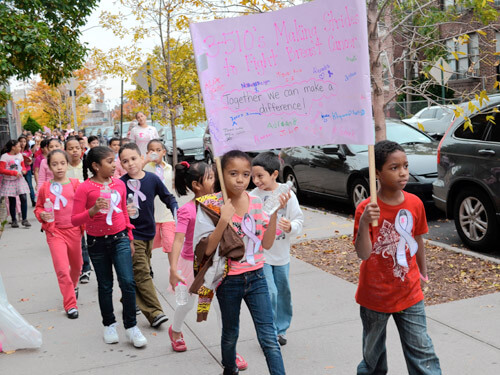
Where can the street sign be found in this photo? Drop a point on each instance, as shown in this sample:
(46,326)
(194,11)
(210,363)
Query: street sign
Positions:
(442,76)
(142,77)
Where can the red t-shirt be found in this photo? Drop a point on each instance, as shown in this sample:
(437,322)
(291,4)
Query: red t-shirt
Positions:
(384,285)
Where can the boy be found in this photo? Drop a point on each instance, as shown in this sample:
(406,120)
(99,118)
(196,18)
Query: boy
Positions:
(145,186)
(93,142)
(389,278)
(114,144)
(265,170)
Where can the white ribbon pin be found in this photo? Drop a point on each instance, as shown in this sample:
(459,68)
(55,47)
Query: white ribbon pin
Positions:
(56,189)
(404,225)
(115,201)
(135,186)
(159,172)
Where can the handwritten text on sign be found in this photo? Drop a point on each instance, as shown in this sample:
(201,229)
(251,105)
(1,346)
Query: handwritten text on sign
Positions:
(298,76)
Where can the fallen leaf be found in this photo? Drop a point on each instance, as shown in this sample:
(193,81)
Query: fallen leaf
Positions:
(329,367)
(24,299)
(10,351)
(51,327)
(154,333)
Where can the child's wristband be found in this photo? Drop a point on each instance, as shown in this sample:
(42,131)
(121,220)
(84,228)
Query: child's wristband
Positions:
(426,279)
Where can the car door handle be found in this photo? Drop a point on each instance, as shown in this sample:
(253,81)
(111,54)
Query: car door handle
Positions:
(486,152)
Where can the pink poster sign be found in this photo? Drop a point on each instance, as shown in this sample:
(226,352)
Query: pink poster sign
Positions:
(294,77)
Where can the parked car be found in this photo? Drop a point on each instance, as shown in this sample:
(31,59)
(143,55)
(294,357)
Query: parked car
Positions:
(468,183)
(435,120)
(340,171)
(189,143)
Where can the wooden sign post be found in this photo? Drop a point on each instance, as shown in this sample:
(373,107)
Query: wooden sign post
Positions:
(372,177)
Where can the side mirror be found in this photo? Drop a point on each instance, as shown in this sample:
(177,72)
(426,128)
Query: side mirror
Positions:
(334,150)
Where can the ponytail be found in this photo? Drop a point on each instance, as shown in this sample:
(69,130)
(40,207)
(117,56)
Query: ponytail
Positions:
(186,174)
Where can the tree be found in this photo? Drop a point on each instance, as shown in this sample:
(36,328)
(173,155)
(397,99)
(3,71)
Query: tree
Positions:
(414,30)
(32,125)
(42,37)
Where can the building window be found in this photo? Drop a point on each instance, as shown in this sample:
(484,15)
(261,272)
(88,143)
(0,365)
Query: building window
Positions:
(466,49)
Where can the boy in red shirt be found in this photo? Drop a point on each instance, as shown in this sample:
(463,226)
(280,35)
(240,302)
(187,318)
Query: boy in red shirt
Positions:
(393,263)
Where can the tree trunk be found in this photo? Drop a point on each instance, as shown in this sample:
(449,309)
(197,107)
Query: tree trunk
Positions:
(374,43)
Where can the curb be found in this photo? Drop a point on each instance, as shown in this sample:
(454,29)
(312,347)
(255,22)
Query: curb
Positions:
(464,251)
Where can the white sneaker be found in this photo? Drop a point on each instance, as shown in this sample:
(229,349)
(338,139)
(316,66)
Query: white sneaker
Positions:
(135,336)
(110,334)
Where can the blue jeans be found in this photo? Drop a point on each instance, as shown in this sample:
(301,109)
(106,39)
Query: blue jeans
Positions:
(278,282)
(252,287)
(105,252)
(417,345)
(85,255)
(29,179)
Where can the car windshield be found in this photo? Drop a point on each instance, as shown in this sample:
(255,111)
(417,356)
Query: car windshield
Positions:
(196,132)
(402,134)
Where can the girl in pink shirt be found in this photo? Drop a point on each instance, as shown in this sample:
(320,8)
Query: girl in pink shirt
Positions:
(63,238)
(101,204)
(45,173)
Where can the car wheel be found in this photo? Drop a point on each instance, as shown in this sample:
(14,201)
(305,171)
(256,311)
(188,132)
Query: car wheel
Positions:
(475,219)
(290,176)
(359,191)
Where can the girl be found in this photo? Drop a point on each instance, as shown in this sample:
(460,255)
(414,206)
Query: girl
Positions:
(244,278)
(143,133)
(44,173)
(165,224)
(13,184)
(62,237)
(28,161)
(109,237)
(42,154)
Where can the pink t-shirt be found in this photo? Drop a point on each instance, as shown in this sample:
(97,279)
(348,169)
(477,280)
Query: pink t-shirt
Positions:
(141,136)
(38,160)
(44,174)
(186,219)
(63,215)
(261,223)
(85,198)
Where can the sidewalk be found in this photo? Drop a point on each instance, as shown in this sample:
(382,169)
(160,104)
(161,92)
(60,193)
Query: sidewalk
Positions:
(325,336)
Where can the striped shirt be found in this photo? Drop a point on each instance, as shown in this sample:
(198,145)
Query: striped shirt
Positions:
(261,223)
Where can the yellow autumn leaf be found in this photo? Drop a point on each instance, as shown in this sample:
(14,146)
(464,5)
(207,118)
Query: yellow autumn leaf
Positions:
(497,84)
(420,126)
(472,107)
(455,55)
(481,31)
(496,110)
(491,119)
(496,54)
(468,125)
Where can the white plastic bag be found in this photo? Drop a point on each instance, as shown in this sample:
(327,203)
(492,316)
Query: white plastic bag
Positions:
(15,331)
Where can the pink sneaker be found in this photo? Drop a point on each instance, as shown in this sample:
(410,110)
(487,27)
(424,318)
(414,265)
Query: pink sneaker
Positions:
(241,363)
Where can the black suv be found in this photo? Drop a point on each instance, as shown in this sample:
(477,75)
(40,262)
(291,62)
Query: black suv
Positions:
(468,183)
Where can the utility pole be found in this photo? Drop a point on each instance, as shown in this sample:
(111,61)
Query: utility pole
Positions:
(72,93)
(121,114)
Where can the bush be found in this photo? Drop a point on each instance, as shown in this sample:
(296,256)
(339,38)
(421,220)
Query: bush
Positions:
(32,125)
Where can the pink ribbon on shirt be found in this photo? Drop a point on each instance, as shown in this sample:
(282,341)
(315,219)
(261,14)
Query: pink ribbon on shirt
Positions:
(159,172)
(249,228)
(403,225)
(115,200)
(135,186)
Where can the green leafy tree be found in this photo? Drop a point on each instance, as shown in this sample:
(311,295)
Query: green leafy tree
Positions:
(32,125)
(42,37)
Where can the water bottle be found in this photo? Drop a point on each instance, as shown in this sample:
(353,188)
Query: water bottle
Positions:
(153,156)
(130,202)
(273,201)
(48,207)
(181,292)
(106,194)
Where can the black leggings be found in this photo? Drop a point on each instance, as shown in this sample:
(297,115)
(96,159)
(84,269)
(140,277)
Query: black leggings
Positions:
(24,206)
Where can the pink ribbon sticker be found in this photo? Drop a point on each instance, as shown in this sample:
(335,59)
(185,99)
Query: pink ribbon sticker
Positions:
(135,186)
(159,172)
(249,227)
(115,200)
(56,189)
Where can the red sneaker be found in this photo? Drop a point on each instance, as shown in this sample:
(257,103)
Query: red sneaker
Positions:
(241,363)
(178,345)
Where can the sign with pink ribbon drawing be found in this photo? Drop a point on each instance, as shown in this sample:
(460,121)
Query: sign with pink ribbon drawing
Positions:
(297,76)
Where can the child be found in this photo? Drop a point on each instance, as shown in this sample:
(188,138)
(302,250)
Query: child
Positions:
(244,278)
(114,144)
(42,154)
(75,170)
(28,162)
(389,278)
(63,238)
(13,183)
(144,186)
(265,170)
(45,174)
(109,238)
(165,223)
(93,142)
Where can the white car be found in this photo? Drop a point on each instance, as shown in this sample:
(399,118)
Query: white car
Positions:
(435,120)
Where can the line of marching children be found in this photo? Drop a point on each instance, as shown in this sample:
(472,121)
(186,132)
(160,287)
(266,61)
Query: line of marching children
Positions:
(226,249)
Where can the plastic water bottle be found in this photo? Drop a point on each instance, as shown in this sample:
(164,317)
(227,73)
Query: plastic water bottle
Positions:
(273,202)
(48,207)
(106,194)
(181,293)
(153,156)
(130,201)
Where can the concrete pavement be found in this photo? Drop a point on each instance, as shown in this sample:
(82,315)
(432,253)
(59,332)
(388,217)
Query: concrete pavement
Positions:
(325,336)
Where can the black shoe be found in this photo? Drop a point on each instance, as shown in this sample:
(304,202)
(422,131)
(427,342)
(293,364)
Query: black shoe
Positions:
(77,290)
(85,277)
(33,203)
(137,310)
(26,223)
(282,340)
(72,313)
(151,273)
(159,320)
(15,224)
